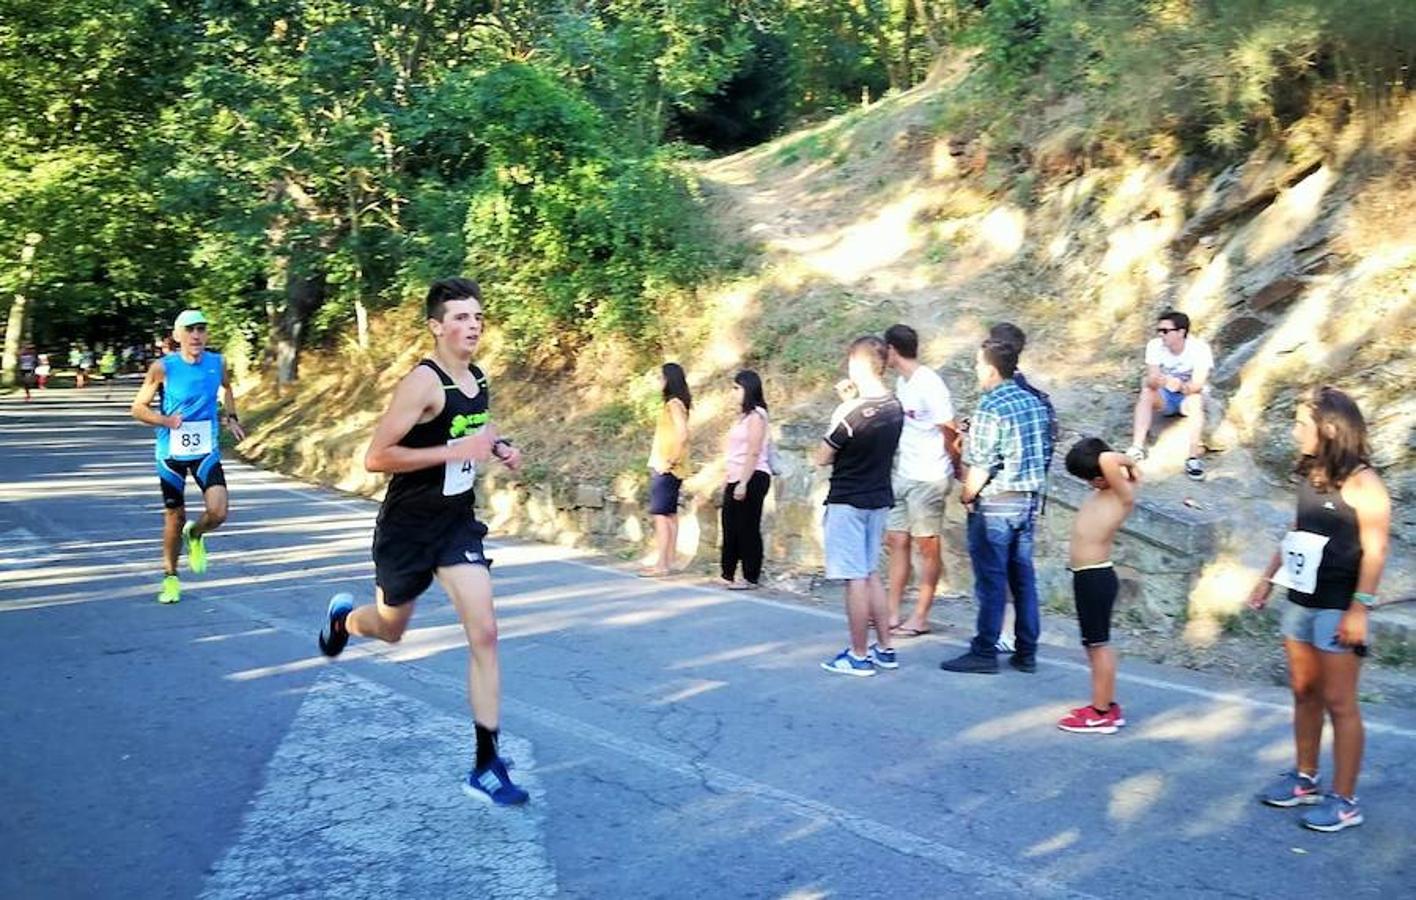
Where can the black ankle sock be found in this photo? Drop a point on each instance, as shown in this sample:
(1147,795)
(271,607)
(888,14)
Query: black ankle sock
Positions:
(1101,712)
(486,746)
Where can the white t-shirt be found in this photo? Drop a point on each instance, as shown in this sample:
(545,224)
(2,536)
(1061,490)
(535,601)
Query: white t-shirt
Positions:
(927,405)
(1194,355)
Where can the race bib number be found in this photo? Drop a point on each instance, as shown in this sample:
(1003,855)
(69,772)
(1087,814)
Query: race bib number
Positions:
(190,440)
(458,475)
(1302,554)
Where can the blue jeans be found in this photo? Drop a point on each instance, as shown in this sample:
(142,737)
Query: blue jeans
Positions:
(1000,535)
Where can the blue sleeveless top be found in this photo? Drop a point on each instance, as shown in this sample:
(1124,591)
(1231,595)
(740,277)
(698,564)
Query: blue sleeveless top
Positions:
(190,390)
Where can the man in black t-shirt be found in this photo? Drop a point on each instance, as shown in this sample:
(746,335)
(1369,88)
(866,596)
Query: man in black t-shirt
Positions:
(860,449)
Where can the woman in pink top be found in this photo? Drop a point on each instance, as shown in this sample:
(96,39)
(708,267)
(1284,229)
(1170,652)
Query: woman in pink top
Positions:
(749,477)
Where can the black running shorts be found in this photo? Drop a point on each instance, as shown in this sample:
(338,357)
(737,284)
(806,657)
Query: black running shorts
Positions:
(172,473)
(406,555)
(1095,593)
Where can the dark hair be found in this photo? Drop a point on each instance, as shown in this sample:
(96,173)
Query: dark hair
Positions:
(751,384)
(1342,452)
(871,349)
(904,340)
(676,384)
(1177,318)
(1002,356)
(1008,333)
(445,289)
(1084,459)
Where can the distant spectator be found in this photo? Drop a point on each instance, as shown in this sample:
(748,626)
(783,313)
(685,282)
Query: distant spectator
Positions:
(749,477)
(42,370)
(860,449)
(1006,470)
(1177,376)
(668,466)
(28,361)
(924,472)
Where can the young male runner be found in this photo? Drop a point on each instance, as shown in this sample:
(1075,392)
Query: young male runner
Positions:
(437,428)
(1114,476)
(187,383)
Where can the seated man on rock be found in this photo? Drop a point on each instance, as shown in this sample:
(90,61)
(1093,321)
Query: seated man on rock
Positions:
(1177,376)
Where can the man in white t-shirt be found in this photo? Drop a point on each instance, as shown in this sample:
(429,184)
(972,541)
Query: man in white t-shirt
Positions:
(924,469)
(1177,376)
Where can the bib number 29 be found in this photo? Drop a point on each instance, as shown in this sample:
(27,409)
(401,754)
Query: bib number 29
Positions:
(1301,554)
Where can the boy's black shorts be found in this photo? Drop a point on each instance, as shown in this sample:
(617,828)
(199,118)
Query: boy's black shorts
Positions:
(1094,589)
(406,555)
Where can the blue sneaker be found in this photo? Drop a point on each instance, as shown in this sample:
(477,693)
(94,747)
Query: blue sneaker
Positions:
(493,785)
(1333,814)
(883,659)
(1291,788)
(846,664)
(333,636)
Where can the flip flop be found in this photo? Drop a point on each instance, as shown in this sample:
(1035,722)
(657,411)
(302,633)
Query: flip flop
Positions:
(902,631)
(652,573)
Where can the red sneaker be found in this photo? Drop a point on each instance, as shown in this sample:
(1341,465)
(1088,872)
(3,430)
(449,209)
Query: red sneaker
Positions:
(1085,720)
(1116,714)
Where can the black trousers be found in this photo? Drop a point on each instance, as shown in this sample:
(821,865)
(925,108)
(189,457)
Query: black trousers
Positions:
(742,528)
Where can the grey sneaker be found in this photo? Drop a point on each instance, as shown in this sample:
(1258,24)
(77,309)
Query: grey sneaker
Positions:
(1136,452)
(1292,788)
(1195,469)
(1333,814)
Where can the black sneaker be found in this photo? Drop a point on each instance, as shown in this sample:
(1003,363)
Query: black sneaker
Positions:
(971,663)
(333,636)
(1023,663)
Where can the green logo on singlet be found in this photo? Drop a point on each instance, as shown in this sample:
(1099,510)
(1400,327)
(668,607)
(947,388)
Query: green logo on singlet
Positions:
(463,424)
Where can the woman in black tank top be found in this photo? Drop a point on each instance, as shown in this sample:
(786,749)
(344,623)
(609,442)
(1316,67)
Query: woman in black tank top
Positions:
(1331,563)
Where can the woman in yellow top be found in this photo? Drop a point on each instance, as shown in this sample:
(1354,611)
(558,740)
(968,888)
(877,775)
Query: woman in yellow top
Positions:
(668,466)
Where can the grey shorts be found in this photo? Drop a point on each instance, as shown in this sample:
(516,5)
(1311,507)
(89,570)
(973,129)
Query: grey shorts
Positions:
(853,540)
(919,506)
(1312,626)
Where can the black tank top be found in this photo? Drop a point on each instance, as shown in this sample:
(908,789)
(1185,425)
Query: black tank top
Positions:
(420,495)
(1325,513)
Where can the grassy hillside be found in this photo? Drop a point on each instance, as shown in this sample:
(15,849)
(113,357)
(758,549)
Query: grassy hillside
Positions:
(1297,260)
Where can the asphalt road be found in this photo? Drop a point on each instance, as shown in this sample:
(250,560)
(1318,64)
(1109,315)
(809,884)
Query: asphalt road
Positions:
(678,741)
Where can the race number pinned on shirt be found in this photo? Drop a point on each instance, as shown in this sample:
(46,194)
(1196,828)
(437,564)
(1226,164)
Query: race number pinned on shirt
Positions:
(191,440)
(1301,553)
(458,474)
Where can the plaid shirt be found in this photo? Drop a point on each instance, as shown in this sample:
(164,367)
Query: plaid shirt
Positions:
(1009,436)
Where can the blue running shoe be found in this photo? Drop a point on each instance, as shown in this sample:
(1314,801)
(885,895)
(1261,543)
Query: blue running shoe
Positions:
(1291,788)
(883,659)
(846,664)
(333,636)
(1333,814)
(493,785)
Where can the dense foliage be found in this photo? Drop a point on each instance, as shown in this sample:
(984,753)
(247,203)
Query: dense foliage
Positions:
(294,165)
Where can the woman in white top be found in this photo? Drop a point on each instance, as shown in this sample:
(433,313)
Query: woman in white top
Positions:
(749,476)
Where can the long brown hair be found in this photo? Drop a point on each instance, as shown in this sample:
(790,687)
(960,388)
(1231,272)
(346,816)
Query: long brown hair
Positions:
(1342,438)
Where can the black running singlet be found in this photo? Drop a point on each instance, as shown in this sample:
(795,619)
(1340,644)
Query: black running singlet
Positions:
(1323,513)
(445,488)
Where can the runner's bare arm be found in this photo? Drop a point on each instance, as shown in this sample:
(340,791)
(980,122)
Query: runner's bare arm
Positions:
(413,401)
(1372,504)
(228,400)
(1120,474)
(142,404)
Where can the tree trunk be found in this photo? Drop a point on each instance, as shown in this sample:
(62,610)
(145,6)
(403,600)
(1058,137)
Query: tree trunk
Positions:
(18,322)
(361,319)
(304,292)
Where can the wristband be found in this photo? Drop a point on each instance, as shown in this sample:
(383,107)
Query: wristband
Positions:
(1367,600)
(501,441)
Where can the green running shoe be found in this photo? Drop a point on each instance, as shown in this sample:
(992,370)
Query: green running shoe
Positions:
(196,548)
(171,590)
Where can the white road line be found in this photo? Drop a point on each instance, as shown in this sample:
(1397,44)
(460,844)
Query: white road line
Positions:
(333,818)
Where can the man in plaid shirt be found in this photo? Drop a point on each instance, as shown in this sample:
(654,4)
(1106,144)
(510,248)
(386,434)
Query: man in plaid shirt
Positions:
(1006,456)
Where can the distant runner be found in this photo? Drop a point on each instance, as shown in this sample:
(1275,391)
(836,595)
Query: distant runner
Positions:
(186,384)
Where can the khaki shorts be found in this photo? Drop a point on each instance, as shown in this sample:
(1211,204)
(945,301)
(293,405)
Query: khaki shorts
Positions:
(919,506)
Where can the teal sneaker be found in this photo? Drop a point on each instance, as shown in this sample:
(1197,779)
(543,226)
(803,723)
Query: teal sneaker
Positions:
(1333,814)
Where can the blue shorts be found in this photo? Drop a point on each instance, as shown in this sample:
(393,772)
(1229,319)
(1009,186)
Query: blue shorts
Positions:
(664,494)
(1312,626)
(853,539)
(1170,402)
